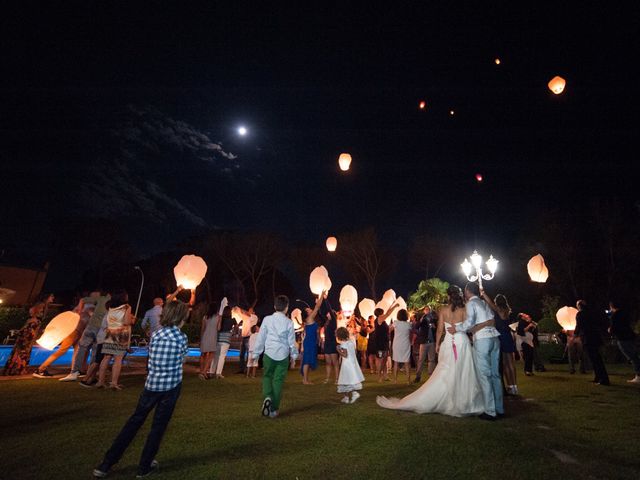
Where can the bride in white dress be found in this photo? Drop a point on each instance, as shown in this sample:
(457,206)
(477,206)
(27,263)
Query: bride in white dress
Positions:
(453,388)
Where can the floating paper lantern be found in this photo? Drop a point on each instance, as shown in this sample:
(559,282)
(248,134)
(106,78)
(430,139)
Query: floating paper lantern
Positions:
(348,299)
(452,112)
(538,271)
(319,280)
(344,161)
(497,61)
(332,244)
(566,317)
(366,306)
(422,105)
(401,305)
(190,271)
(479,177)
(60,327)
(296,315)
(389,297)
(384,306)
(557,84)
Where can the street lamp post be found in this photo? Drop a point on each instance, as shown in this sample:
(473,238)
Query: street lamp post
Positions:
(473,269)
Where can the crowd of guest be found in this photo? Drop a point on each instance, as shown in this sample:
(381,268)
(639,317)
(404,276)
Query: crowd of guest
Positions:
(385,348)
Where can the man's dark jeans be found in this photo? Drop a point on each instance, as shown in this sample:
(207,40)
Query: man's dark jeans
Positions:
(244,353)
(164,403)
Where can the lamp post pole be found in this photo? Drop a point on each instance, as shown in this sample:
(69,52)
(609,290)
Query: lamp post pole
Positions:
(473,270)
(140,292)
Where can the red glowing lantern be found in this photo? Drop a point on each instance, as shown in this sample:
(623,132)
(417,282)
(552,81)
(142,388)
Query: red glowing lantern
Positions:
(422,105)
(478,177)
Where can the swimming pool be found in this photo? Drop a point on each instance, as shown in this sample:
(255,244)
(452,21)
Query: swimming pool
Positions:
(39,354)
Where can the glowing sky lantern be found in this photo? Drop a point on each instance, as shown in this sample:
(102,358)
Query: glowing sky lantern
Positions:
(60,327)
(389,297)
(452,112)
(348,299)
(566,317)
(557,84)
(422,105)
(319,280)
(366,307)
(344,161)
(401,305)
(332,244)
(190,271)
(538,271)
(223,304)
(479,177)
(497,61)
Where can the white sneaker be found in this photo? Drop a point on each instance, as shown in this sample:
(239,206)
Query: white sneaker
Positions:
(72,377)
(635,379)
(354,397)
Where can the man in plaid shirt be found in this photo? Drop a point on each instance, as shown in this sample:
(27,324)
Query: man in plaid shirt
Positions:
(167,351)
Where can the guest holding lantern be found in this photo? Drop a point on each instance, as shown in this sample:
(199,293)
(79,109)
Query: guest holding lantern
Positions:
(310,342)
(382,340)
(118,339)
(208,339)
(18,361)
(525,326)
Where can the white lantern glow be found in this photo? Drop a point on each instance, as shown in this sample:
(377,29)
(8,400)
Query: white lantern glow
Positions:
(401,305)
(389,297)
(58,329)
(332,244)
(319,280)
(223,304)
(344,161)
(190,271)
(366,307)
(557,84)
(348,299)
(566,317)
(296,316)
(538,271)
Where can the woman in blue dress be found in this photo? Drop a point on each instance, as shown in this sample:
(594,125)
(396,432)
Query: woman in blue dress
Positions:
(310,342)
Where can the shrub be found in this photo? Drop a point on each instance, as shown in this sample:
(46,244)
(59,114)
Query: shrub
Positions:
(12,318)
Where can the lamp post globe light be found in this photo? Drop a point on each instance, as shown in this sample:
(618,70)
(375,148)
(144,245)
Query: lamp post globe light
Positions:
(473,269)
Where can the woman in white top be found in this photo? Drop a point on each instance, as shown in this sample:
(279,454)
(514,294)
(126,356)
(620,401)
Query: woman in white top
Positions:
(208,339)
(401,351)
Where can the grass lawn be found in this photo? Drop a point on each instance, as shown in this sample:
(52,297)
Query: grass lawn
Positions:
(562,427)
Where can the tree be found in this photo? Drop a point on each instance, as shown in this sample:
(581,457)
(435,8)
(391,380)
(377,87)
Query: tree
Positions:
(548,322)
(431,292)
(428,255)
(250,257)
(364,258)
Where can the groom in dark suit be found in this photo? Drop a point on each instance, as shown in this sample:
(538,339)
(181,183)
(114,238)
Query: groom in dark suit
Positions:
(589,327)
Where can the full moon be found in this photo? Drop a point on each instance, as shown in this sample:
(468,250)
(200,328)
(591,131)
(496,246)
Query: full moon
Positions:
(242,131)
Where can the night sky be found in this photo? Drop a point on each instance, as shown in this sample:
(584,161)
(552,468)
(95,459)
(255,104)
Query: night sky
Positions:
(129,111)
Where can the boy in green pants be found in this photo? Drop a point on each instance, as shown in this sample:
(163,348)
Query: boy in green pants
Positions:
(278,342)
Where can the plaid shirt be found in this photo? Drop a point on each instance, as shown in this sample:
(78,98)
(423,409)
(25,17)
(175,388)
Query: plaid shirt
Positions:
(167,350)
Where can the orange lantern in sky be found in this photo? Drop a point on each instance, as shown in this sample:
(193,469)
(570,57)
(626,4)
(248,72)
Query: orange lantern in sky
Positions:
(497,61)
(332,244)
(557,84)
(344,161)
(566,317)
(190,271)
(60,327)
(422,105)
(538,271)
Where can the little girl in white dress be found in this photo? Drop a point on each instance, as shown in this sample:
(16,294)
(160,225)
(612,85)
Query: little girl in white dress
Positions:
(351,377)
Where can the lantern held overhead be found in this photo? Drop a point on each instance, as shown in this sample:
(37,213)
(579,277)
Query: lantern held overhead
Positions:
(348,299)
(566,317)
(58,329)
(344,161)
(366,306)
(538,271)
(557,84)
(319,280)
(332,244)
(190,271)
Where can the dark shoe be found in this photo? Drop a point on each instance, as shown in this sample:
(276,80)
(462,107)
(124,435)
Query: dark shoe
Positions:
(529,374)
(266,407)
(606,384)
(541,369)
(88,384)
(153,468)
(500,415)
(486,416)
(44,374)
